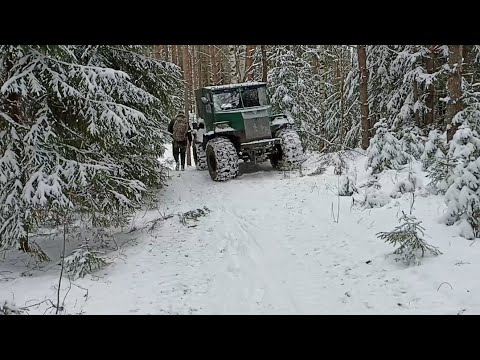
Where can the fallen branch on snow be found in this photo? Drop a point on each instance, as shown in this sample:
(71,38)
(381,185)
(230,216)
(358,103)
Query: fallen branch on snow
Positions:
(445,283)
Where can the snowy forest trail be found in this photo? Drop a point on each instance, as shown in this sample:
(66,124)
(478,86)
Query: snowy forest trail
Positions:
(269,245)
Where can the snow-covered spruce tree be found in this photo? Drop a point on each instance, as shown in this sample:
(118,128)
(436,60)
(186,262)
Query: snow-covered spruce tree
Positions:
(412,78)
(463,194)
(385,151)
(347,186)
(341,115)
(80,129)
(409,235)
(412,142)
(438,164)
(441,172)
(292,82)
(379,58)
(375,197)
(318,87)
(403,83)
(434,148)
(83,261)
(409,185)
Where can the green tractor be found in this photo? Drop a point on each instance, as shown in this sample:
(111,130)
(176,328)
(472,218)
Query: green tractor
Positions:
(238,124)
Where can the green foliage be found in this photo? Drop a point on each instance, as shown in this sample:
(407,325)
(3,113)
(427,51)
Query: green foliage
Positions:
(409,235)
(82,128)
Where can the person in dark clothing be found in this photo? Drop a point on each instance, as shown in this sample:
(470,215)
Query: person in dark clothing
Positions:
(180,129)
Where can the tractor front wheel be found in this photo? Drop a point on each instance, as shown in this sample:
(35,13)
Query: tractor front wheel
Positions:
(222,159)
(289,152)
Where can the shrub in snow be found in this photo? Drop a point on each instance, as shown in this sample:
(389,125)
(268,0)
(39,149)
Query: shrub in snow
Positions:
(465,145)
(346,186)
(464,148)
(372,181)
(83,261)
(385,151)
(434,148)
(339,163)
(375,198)
(10,309)
(463,195)
(409,235)
(440,173)
(75,134)
(463,200)
(318,171)
(409,185)
(412,143)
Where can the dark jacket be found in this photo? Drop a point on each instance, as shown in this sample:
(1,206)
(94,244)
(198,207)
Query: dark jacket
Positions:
(170,129)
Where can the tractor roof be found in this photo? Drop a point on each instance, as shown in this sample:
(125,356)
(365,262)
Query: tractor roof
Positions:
(232,86)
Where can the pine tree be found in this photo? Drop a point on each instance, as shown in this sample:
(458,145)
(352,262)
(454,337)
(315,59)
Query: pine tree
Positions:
(379,58)
(82,129)
(362,60)
(463,201)
(441,170)
(463,194)
(385,151)
(434,148)
(347,186)
(291,81)
(412,142)
(409,235)
(341,119)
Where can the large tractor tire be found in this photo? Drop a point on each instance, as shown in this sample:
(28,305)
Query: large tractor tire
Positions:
(222,159)
(201,157)
(289,153)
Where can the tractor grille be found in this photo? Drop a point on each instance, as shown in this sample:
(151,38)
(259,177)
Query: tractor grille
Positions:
(257,128)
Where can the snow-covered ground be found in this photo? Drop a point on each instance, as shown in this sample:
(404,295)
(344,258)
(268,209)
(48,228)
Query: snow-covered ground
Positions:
(269,245)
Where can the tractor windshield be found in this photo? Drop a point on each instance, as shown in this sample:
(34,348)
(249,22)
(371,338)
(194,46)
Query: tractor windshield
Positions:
(239,98)
(227,100)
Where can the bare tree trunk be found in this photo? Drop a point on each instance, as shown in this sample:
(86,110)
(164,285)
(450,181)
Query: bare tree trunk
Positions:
(174,54)
(314,64)
(214,55)
(321,73)
(454,87)
(193,55)
(430,100)
(187,78)
(241,62)
(320,70)
(225,66)
(249,62)
(199,65)
(180,56)
(340,90)
(211,59)
(205,66)
(416,96)
(264,63)
(232,62)
(165,52)
(362,64)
